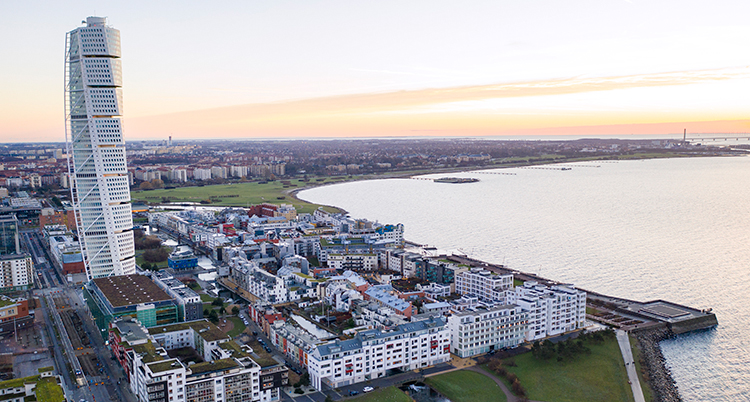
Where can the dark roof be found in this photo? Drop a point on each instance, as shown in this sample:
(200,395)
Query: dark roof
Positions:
(128,290)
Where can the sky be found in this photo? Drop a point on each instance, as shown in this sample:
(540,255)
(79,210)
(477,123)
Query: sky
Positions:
(353,68)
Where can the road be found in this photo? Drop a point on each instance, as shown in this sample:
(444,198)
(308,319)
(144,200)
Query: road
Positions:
(51,283)
(627,356)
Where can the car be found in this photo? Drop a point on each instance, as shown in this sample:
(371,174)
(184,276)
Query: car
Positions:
(368,389)
(353,392)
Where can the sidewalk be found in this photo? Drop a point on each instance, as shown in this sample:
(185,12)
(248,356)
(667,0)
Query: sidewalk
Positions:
(627,356)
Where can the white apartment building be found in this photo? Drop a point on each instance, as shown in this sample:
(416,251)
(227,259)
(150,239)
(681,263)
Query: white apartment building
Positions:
(482,331)
(552,310)
(100,189)
(357,262)
(218,172)
(261,283)
(178,175)
(482,283)
(238,171)
(201,174)
(374,353)
(16,272)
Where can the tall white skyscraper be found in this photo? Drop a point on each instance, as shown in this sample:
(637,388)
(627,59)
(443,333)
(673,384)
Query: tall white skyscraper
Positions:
(99,177)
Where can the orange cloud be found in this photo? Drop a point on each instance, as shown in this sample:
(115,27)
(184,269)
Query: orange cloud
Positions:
(371,114)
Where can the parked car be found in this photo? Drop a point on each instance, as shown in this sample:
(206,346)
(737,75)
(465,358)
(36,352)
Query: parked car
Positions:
(353,392)
(367,389)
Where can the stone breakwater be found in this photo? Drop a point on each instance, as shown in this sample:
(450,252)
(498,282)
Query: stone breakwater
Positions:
(653,363)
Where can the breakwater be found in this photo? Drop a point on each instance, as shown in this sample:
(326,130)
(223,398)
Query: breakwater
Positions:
(654,365)
(649,322)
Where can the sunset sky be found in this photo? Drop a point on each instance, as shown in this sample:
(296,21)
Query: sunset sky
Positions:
(280,69)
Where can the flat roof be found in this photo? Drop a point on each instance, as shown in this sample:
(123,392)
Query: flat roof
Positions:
(216,365)
(127,290)
(204,328)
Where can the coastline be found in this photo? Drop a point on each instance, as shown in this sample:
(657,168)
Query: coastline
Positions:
(655,373)
(293,193)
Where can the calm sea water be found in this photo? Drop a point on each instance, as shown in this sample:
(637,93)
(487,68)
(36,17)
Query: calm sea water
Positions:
(674,229)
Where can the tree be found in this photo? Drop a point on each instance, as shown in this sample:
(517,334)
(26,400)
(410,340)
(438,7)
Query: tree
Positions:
(213,316)
(146,186)
(205,313)
(235,310)
(218,302)
(146,265)
(222,310)
(156,255)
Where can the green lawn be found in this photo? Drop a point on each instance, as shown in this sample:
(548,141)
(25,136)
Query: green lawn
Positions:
(467,386)
(47,389)
(239,326)
(647,393)
(238,194)
(388,394)
(599,376)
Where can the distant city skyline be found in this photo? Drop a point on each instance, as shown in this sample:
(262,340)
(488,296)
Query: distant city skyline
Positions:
(423,68)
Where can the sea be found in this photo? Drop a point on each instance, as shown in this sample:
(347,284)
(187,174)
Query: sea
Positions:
(674,229)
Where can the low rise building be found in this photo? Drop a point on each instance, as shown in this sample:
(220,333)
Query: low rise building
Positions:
(189,302)
(135,296)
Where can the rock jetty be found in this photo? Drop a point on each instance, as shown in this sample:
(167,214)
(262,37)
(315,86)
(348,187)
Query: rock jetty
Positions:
(654,364)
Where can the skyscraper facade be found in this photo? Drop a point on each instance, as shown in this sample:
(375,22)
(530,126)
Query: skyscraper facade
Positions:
(98,171)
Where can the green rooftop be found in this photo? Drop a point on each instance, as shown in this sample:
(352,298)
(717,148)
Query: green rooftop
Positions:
(205,329)
(216,365)
(165,365)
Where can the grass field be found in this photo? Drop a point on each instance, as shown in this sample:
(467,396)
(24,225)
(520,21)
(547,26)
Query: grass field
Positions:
(238,194)
(239,326)
(467,386)
(599,376)
(388,394)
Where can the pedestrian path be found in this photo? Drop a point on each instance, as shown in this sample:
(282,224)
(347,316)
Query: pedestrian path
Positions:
(627,356)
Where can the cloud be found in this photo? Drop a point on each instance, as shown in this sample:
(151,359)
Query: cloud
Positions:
(349,111)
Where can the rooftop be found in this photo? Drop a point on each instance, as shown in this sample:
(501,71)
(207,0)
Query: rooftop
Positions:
(165,365)
(204,328)
(215,365)
(129,290)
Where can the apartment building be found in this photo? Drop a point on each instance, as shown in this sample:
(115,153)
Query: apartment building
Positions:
(374,353)
(552,310)
(483,284)
(482,331)
(262,284)
(356,262)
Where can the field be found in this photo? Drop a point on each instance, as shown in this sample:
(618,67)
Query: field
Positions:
(466,386)
(388,394)
(239,326)
(238,194)
(599,376)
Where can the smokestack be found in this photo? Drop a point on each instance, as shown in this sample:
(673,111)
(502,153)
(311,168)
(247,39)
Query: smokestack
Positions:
(684,135)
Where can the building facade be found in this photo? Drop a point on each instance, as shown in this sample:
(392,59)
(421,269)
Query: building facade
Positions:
(483,284)
(375,353)
(100,190)
(552,310)
(482,331)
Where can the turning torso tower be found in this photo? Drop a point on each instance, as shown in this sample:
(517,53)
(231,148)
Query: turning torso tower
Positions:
(96,151)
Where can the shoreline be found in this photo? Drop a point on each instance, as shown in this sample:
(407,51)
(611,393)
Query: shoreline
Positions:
(293,193)
(655,373)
